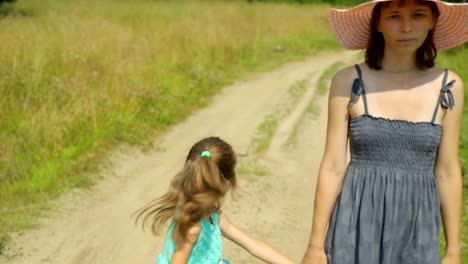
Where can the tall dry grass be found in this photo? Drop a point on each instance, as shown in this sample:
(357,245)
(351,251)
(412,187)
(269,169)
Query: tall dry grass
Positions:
(79,77)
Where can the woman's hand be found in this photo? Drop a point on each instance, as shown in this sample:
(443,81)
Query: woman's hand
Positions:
(316,256)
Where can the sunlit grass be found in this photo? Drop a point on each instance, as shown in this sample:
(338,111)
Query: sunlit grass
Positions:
(80,77)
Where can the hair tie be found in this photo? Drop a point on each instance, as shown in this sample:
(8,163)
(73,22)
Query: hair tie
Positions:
(206,154)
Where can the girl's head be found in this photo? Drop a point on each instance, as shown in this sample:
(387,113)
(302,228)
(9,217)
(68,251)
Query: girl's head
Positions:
(198,189)
(404,25)
(221,160)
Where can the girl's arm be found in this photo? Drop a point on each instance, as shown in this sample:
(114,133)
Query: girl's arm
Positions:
(181,255)
(184,245)
(255,247)
(448,173)
(334,162)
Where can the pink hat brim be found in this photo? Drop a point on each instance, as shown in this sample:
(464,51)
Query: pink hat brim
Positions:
(352,26)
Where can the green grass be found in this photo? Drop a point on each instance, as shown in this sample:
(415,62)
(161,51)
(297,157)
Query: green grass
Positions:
(4,239)
(298,89)
(312,109)
(268,127)
(266,131)
(250,169)
(80,77)
(324,80)
(292,139)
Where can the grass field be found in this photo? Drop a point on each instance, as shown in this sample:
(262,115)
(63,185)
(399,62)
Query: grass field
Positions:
(78,78)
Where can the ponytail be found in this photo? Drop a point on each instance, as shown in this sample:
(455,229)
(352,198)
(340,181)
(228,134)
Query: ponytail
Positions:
(194,192)
(202,190)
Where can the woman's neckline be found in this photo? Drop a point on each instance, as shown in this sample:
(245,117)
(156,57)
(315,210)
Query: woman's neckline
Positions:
(391,120)
(412,70)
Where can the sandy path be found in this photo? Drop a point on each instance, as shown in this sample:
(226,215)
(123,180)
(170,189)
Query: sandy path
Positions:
(95,226)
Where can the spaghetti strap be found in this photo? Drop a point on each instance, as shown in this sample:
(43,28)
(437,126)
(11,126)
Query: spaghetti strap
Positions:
(358,90)
(445,99)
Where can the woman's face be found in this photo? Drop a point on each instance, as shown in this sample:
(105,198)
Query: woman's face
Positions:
(405,26)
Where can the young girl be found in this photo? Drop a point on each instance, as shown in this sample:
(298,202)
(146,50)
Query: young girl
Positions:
(193,203)
(402,116)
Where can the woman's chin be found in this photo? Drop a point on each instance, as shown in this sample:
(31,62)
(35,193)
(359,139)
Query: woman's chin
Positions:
(405,48)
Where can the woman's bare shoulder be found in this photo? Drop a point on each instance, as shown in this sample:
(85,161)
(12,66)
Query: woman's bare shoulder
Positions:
(457,87)
(458,84)
(342,80)
(345,74)
(454,76)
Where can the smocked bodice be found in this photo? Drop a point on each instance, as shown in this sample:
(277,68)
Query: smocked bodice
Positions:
(393,143)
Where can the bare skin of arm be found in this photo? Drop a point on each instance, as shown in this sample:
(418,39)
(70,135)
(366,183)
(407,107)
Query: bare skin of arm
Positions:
(184,245)
(333,165)
(257,248)
(448,175)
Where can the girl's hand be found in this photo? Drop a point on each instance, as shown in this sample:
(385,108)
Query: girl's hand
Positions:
(451,259)
(315,256)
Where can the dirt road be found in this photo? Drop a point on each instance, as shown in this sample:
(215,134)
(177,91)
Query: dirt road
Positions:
(275,199)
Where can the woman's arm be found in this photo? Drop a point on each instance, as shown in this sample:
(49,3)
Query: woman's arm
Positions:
(184,245)
(333,165)
(448,173)
(255,247)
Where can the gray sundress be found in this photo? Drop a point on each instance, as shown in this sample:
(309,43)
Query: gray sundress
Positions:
(388,211)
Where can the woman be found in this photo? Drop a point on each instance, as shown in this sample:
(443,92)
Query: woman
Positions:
(402,116)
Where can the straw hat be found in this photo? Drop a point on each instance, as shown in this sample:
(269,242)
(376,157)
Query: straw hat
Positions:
(352,26)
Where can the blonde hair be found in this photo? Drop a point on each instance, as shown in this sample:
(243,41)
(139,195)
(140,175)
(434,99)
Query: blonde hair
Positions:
(197,189)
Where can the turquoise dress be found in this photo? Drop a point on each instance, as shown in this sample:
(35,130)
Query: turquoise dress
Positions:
(207,249)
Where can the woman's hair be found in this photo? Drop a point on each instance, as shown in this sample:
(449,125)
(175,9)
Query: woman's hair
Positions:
(197,189)
(425,55)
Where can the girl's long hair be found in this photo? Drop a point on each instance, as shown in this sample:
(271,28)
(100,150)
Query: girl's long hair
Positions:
(197,189)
